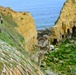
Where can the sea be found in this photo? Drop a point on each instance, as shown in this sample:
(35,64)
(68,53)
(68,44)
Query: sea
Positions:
(44,12)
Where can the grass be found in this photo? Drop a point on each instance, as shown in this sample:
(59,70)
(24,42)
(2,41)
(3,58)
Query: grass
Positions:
(9,35)
(9,20)
(8,32)
(1,66)
(62,61)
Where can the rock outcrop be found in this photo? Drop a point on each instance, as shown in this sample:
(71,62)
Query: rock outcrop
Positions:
(66,23)
(15,62)
(26,26)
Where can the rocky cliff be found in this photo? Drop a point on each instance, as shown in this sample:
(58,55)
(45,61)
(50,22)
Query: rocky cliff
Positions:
(14,59)
(26,26)
(66,23)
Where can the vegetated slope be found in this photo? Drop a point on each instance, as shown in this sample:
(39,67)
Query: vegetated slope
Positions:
(14,60)
(8,32)
(62,60)
(25,26)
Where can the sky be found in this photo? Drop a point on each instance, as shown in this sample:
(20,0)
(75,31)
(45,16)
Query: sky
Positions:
(21,4)
(44,12)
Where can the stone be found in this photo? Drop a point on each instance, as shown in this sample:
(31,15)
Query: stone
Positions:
(56,49)
(67,45)
(61,62)
(66,23)
(75,42)
(49,72)
(52,47)
(71,41)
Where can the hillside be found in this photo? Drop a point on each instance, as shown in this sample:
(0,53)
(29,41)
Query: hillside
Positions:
(16,62)
(14,59)
(62,60)
(25,26)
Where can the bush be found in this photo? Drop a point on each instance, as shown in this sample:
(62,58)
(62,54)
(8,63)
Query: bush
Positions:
(66,59)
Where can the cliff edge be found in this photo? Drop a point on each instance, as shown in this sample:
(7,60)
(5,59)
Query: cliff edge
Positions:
(26,26)
(14,59)
(66,22)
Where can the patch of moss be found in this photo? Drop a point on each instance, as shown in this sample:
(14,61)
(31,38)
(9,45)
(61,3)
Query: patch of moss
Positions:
(22,18)
(1,66)
(8,33)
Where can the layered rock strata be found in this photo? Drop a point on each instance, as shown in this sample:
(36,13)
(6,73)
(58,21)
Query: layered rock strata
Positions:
(66,23)
(14,62)
(26,26)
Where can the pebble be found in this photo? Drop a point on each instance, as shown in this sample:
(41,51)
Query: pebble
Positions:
(49,72)
(75,42)
(67,45)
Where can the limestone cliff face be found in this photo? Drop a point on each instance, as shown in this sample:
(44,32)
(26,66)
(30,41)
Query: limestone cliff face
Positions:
(66,22)
(26,26)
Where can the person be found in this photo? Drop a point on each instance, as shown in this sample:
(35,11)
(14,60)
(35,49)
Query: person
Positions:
(44,46)
(1,20)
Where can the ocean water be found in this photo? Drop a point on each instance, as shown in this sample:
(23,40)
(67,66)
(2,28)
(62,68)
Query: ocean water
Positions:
(44,12)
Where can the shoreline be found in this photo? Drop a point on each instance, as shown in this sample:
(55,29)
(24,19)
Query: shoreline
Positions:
(44,27)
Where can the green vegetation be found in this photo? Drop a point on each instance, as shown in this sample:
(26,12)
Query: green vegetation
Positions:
(63,60)
(1,66)
(22,18)
(14,56)
(24,14)
(8,32)
(8,19)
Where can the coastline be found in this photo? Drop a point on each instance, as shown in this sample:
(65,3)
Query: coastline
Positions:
(44,27)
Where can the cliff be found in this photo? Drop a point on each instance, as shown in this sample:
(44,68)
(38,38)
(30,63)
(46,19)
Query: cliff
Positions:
(66,22)
(26,26)
(14,59)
